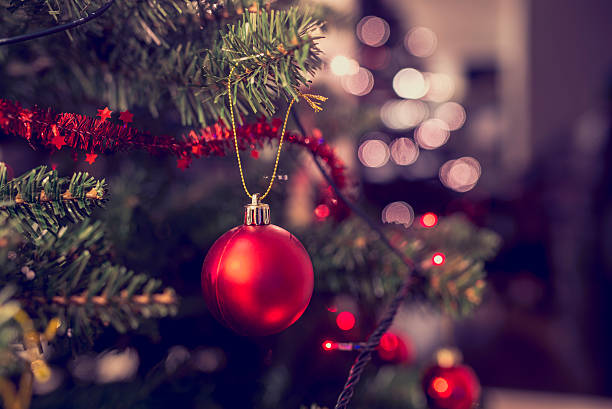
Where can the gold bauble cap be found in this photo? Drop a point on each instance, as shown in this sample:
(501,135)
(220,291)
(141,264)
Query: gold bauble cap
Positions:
(256,213)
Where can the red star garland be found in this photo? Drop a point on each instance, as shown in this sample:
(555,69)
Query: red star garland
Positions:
(126,117)
(90,135)
(57,140)
(104,114)
(90,158)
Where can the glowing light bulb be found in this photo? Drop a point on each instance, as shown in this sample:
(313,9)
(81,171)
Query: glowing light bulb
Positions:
(421,42)
(321,211)
(389,342)
(373,31)
(345,321)
(429,220)
(410,84)
(438,259)
(328,345)
(341,65)
(441,387)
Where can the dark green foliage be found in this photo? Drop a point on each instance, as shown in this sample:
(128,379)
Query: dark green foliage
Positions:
(41,201)
(167,56)
(353,260)
(68,276)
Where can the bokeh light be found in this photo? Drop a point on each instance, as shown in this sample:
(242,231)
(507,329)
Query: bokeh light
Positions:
(439,87)
(209,359)
(429,219)
(389,342)
(409,83)
(399,213)
(404,152)
(403,113)
(373,31)
(117,366)
(432,134)
(441,387)
(358,84)
(438,259)
(321,211)
(421,42)
(345,321)
(341,65)
(373,153)
(452,113)
(461,174)
(328,345)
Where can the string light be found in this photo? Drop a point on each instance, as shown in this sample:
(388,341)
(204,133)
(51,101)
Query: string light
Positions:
(461,174)
(421,42)
(452,113)
(404,152)
(321,211)
(432,134)
(358,84)
(410,84)
(440,387)
(438,259)
(342,346)
(341,65)
(429,219)
(373,31)
(373,153)
(399,213)
(345,321)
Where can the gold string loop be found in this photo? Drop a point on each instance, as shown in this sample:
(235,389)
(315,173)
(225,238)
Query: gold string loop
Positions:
(309,99)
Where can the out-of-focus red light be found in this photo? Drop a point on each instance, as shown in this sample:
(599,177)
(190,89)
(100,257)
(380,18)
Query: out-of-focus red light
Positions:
(329,345)
(345,321)
(438,259)
(332,308)
(429,220)
(389,342)
(321,211)
(441,387)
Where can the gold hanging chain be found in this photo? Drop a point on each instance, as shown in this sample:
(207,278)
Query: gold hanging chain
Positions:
(308,97)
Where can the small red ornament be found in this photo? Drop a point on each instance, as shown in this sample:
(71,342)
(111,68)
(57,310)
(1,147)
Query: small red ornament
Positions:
(257,278)
(449,385)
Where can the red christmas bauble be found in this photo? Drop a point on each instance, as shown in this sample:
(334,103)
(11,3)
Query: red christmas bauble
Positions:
(454,387)
(257,279)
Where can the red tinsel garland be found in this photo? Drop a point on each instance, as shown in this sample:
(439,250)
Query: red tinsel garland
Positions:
(43,127)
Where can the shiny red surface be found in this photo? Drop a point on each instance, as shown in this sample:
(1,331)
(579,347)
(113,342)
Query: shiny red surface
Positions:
(257,280)
(456,387)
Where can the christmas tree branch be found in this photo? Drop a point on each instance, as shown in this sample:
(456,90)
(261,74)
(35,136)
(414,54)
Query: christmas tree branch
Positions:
(175,55)
(40,200)
(68,276)
(57,29)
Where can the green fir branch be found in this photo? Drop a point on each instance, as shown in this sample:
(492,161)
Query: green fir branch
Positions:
(69,276)
(41,201)
(171,56)
(354,260)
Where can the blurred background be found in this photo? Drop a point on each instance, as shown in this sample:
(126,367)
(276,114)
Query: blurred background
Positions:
(506,104)
(497,109)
